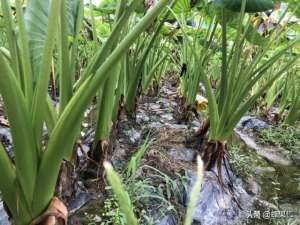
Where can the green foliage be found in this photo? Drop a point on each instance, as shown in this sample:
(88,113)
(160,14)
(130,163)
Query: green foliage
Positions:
(251,5)
(293,4)
(107,7)
(140,191)
(24,89)
(254,37)
(135,160)
(134,64)
(182,6)
(121,194)
(291,97)
(44,39)
(239,73)
(112,214)
(144,196)
(194,54)
(3,38)
(155,65)
(287,137)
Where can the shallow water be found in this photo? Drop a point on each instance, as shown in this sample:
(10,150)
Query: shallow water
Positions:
(279,182)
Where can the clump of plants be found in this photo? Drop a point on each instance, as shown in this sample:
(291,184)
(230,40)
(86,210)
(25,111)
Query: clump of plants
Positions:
(112,214)
(28,181)
(231,98)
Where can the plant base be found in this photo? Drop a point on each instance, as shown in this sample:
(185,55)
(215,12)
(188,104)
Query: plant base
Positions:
(183,112)
(215,154)
(56,214)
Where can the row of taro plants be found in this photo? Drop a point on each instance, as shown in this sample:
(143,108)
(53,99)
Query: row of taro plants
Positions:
(38,34)
(43,42)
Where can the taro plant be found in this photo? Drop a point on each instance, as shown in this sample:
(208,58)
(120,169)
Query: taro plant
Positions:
(197,46)
(107,100)
(294,103)
(123,85)
(283,89)
(284,94)
(28,181)
(134,65)
(155,66)
(239,73)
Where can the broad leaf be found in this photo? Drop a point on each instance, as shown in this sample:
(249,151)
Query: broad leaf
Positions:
(251,5)
(36,18)
(182,6)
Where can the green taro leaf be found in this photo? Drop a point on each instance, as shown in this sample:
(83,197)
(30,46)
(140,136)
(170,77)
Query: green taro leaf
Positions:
(182,6)
(106,7)
(36,21)
(251,5)
(72,15)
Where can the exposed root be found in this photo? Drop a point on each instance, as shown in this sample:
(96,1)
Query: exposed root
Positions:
(216,156)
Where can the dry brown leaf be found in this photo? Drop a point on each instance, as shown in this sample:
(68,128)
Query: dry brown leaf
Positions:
(56,214)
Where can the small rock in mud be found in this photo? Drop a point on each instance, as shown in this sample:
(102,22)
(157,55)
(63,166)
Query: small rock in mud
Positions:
(5,132)
(296,159)
(167,116)
(82,151)
(169,219)
(154,106)
(264,170)
(174,104)
(253,187)
(133,135)
(79,201)
(251,122)
(178,126)
(142,118)
(156,125)
(264,205)
(196,123)
(118,156)
(187,155)
(4,220)
(272,154)
(164,103)
(218,207)
(6,139)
